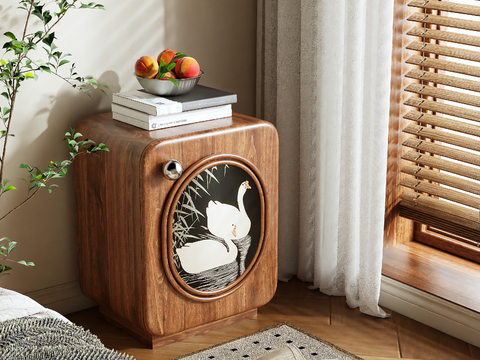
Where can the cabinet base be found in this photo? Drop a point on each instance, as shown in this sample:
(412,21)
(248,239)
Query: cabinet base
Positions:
(155,341)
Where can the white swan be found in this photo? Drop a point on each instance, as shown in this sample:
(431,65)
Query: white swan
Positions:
(224,221)
(221,217)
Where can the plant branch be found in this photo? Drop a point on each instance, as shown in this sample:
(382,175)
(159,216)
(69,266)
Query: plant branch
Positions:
(19,205)
(27,20)
(12,104)
(48,31)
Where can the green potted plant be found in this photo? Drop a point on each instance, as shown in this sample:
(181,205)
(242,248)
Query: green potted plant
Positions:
(19,64)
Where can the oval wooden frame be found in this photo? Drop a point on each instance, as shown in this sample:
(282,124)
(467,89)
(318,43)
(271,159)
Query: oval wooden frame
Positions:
(166,236)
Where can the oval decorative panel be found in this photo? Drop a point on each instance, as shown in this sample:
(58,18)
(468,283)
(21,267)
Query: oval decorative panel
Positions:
(215,226)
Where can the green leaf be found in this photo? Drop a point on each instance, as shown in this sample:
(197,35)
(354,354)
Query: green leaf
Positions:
(47,17)
(28,75)
(49,39)
(11,246)
(63,62)
(45,68)
(23,262)
(8,188)
(25,166)
(174,81)
(10,35)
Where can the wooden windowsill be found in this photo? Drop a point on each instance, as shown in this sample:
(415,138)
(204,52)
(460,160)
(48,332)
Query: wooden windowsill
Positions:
(436,272)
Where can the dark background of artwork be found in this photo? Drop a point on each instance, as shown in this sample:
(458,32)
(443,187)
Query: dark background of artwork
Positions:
(226,191)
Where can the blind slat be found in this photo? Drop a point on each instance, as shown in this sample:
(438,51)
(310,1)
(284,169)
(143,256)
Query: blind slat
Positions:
(446,6)
(445,123)
(437,219)
(438,107)
(442,79)
(470,216)
(445,151)
(444,36)
(442,191)
(429,48)
(441,164)
(450,95)
(438,135)
(428,62)
(445,21)
(442,178)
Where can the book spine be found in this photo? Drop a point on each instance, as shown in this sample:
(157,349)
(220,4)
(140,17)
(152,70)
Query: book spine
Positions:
(140,115)
(200,104)
(189,118)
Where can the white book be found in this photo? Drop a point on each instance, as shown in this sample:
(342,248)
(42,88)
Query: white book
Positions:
(187,117)
(146,102)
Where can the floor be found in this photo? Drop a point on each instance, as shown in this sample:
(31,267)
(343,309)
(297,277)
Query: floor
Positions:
(324,316)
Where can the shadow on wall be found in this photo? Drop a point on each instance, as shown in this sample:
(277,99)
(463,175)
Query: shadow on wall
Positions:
(224,43)
(50,233)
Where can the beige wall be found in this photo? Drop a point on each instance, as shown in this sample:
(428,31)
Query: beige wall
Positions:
(220,34)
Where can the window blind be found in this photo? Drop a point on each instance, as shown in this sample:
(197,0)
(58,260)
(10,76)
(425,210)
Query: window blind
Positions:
(443,186)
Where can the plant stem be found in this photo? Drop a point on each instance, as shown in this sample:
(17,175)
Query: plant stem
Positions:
(16,207)
(27,20)
(12,104)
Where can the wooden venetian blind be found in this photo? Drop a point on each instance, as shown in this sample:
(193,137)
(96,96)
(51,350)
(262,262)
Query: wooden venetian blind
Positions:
(443,189)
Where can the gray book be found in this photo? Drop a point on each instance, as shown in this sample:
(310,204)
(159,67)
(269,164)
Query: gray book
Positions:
(198,98)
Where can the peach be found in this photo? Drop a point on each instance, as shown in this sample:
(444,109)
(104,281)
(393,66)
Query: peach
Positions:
(166,55)
(168,75)
(187,67)
(146,67)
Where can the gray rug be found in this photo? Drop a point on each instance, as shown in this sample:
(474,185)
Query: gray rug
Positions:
(271,339)
(47,338)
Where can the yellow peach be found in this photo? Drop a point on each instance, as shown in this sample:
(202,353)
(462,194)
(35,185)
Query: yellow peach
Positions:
(187,67)
(166,55)
(168,75)
(146,67)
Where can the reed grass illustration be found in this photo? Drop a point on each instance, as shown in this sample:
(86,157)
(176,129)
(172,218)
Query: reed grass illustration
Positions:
(186,216)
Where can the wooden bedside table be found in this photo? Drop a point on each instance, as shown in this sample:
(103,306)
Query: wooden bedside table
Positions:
(169,254)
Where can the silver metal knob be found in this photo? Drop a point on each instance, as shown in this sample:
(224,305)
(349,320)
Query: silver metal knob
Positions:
(172,169)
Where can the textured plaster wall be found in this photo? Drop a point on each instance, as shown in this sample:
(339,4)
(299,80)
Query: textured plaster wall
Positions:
(220,34)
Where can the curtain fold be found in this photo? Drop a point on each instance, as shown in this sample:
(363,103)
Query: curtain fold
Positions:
(324,71)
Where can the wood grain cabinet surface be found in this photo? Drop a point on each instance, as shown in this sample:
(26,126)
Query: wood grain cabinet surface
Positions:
(145,242)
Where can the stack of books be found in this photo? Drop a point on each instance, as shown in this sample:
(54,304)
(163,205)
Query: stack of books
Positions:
(153,112)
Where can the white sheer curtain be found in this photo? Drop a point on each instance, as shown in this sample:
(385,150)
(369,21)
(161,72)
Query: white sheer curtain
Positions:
(324,81)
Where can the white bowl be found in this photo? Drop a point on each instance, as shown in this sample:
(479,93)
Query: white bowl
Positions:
(166,87)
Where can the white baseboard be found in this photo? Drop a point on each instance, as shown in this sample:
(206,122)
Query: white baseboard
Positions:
(431,310)
(65,298)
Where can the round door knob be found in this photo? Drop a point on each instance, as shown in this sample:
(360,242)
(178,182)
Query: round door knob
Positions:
(172,169)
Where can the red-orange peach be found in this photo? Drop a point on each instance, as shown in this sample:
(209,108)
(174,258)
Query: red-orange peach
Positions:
(166,55)
(187,67)
(146,67)
(168,75)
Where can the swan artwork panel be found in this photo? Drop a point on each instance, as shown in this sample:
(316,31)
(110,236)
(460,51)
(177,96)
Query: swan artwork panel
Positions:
(216,227)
